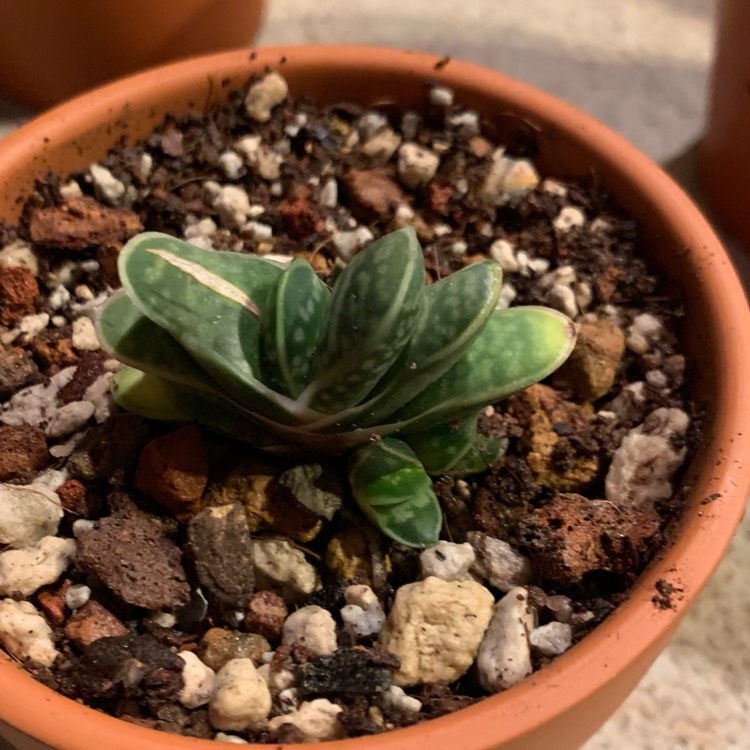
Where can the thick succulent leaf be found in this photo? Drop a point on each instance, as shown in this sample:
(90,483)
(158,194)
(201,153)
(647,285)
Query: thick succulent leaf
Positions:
(484,452)
(154,398)
(442,446)
(395,493)
(456,448)
(453,312)
(370,319)
(517,347)
(209,302)
(291,329)
(129,336)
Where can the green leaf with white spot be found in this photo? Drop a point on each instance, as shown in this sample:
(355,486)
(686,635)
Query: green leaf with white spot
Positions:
(517,347)
(454,310)
(129,336)
(209,301)
(370,320)
(455,448)
(393,490)
(291,329)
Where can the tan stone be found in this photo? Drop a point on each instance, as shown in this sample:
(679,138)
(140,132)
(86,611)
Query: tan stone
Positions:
(591,369)
(268,504)
(546,418)
(348,556)
(435,628)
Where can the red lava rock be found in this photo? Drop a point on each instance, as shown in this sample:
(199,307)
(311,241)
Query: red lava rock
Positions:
(53,347)
(18,290)
(82,222)
(171,142)
(438,197)
(17,369)
(90,367)
(23,451)
(92,622)
(173,470)
(265,615)
(52,603)
(72,495)
(373,192)
(573,535)
(109,450)
(298,217)
(133,558)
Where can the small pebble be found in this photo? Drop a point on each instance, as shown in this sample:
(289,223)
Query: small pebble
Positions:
(313,628)
(568,218)
(198,681)
(441,96)
(84,335)
(552,639)
(231,164)
(264,95)
(447,561)
(77,595)
(416,165)
(107,186)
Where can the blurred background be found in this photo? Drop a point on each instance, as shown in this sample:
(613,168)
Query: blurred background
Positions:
(642,67)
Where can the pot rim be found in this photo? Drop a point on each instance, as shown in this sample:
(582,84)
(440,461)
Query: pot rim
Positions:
(597,660)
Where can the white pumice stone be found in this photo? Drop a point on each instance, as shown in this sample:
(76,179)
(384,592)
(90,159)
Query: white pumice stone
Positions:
(568,218)
(240,699)
(18,254)
(397,698)
(107,186)
(329,194)
(370,124)
(467,121)
(28,513)
(553,187)
(644,464)
(504,657)
(84,335)
(264,95)
(24,571)
(502,251)
(199,681)
(311,627)
(552,639)
(59,297)
(258,230)
(231,164)
(317,720)
(31,325)
(447,561)
(441,96)
(77,595)
(563,298)
(26,634)
(416,165)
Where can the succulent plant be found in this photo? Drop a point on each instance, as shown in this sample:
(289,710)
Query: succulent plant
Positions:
(384,368)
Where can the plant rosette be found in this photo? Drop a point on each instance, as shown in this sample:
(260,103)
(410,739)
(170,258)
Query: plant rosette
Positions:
(340,312)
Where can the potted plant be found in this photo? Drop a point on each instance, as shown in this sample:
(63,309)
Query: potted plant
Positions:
(570,697)
(50,53)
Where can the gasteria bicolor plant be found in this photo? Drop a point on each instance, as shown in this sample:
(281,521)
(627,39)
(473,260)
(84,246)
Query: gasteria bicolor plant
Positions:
(383,367)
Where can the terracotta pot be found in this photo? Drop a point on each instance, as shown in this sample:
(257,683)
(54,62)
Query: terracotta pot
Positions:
(725,148)
(564,703)
(50,51)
